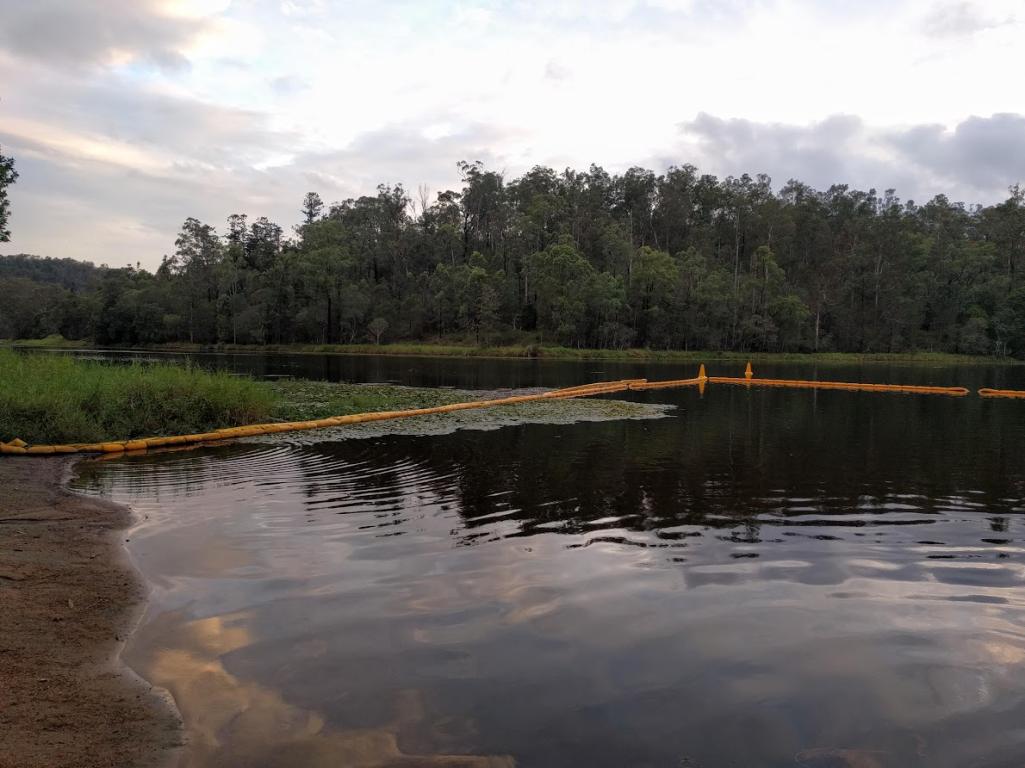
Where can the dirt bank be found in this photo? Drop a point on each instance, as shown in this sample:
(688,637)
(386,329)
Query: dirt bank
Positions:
(68,595)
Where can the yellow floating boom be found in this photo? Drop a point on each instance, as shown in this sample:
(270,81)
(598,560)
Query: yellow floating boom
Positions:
(19,447)
(850,386)
(750,380)
(1002,393)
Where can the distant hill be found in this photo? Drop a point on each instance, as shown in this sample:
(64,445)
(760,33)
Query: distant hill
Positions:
(69,274)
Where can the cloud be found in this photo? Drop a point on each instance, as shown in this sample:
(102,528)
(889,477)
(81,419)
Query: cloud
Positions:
(288,84)
(961,19)
(821,151)
(122,202)
(840,149)
(303,7)
(137,126)
(986,153)
(555,70)
(977,160)
(404,154)
(109,168)
(74,33)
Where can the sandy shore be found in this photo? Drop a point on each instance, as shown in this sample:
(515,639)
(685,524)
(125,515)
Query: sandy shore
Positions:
(68,597)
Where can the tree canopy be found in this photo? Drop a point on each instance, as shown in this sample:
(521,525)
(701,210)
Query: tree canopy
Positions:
(678,260)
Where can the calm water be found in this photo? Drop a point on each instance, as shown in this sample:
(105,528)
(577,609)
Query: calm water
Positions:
(766,578)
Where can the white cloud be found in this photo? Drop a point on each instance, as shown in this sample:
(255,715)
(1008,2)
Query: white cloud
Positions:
(960,19)
(100,32)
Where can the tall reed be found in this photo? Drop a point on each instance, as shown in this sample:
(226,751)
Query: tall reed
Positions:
(52,398)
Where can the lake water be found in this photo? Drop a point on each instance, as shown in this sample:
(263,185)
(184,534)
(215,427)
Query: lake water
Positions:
(764,578)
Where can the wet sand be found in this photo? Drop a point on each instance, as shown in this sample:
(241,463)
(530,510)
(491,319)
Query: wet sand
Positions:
(68,598)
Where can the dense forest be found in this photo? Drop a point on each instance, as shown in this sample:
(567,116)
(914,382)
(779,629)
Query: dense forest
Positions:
(679,260)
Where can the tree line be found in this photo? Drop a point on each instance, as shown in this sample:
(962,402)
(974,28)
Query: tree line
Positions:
(679,260)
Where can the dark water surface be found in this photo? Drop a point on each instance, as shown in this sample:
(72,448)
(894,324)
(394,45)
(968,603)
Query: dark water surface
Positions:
(766,578)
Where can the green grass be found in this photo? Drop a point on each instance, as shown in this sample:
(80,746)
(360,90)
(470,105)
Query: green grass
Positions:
(54,399)
(57,399)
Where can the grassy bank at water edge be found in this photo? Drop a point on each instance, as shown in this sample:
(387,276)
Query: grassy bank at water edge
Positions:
(534,351)
(50,399)
(57,400)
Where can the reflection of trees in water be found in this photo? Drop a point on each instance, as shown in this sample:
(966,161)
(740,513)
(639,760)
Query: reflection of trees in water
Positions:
(739,461)
(733,460)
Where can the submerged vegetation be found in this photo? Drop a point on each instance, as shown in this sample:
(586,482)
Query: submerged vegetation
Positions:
(300,400)
(579,260)
(57,399)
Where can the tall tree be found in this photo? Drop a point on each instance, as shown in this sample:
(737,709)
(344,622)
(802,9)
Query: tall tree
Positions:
(7,177)
(312,208)
(198,253)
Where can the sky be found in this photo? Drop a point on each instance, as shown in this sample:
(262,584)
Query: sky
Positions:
(125,117)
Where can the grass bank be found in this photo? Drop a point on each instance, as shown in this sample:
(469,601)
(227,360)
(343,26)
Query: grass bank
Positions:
(57,399)
(616,355)
(532,351)
(52,399)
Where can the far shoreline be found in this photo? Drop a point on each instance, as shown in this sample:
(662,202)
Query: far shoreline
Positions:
(526,352)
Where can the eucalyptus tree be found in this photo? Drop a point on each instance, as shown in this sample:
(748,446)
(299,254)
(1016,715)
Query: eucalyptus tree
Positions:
(7,177)
(312,208)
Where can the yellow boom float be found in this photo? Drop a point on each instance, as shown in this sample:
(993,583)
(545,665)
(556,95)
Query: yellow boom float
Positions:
(1002,393)
(19,447)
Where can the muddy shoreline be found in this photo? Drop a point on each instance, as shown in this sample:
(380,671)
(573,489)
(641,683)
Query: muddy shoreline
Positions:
(69,596)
